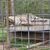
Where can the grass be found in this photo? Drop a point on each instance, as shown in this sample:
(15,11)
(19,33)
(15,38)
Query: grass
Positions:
(44,49)
(23,49)
(19,43)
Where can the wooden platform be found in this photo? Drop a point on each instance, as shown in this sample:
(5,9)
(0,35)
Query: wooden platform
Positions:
(31,28)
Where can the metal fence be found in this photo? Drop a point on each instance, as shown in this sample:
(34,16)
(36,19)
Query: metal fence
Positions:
(27,35)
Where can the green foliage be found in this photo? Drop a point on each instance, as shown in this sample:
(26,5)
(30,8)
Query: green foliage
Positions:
(20,43)
(2,35)
(2,10)
(31,6)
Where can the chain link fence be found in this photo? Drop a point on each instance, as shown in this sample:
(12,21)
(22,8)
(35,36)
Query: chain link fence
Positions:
(25,25)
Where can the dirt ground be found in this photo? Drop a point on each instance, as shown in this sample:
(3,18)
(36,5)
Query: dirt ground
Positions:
(41,48)
(7,48)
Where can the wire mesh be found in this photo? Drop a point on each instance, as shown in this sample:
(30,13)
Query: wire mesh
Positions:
(29,35)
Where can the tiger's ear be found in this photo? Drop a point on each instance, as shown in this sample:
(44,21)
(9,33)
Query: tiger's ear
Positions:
(11,21)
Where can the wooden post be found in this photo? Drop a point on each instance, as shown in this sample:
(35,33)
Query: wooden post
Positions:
(8,13)
(9,8)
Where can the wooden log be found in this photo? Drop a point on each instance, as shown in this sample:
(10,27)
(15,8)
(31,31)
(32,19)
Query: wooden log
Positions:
(37,44)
